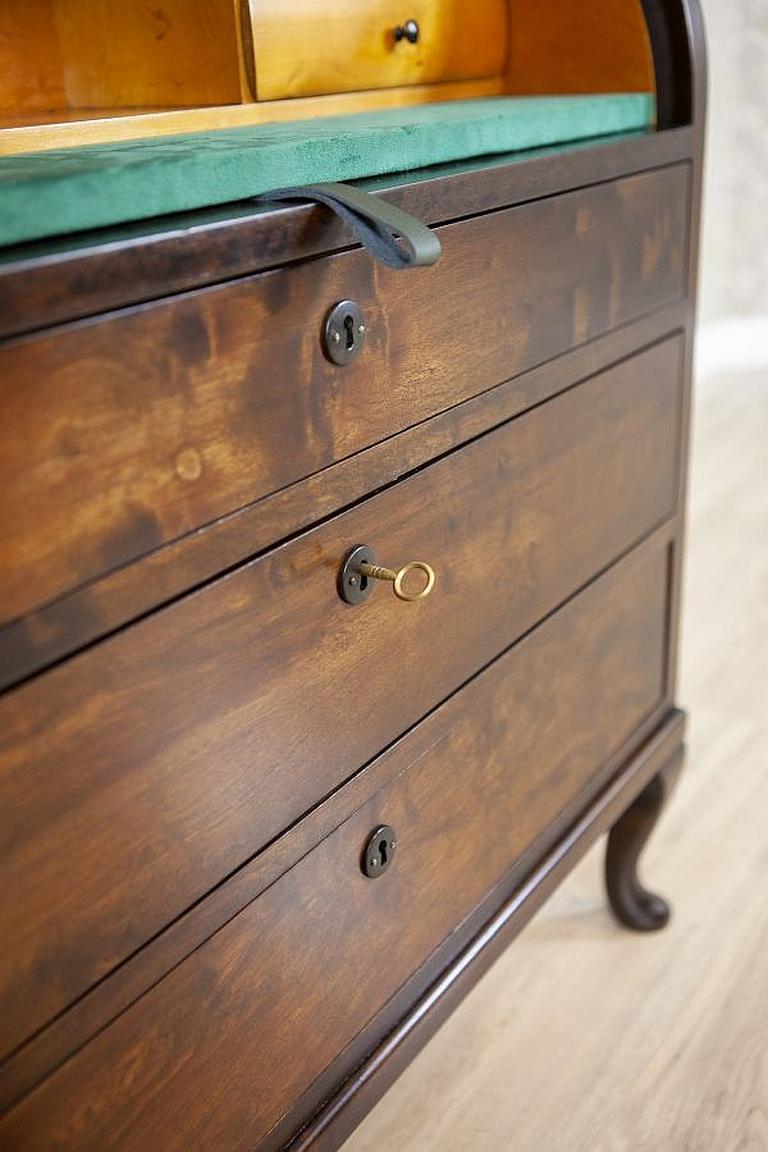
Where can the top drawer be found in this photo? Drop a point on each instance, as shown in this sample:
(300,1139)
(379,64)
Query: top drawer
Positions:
(313,48)
(123,433)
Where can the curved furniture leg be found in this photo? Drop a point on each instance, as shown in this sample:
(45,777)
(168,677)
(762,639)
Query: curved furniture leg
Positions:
(632,904)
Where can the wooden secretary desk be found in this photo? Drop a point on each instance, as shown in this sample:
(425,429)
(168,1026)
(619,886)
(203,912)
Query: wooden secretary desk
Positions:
(339,601)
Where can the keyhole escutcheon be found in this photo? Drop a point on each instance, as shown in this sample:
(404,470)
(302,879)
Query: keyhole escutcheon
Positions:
(379,850)
(344,332)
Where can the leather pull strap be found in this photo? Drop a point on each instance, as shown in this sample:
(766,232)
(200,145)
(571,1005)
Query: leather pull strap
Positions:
(392,236)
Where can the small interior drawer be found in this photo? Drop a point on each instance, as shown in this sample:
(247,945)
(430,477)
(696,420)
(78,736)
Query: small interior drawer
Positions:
(313,48)
(146,769)
(216,1053)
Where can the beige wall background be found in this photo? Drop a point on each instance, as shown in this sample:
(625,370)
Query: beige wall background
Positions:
(734,272)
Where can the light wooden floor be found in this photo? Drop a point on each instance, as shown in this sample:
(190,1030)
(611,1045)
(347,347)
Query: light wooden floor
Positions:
(587,1037)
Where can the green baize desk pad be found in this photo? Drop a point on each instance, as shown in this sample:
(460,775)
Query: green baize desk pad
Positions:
(71,190)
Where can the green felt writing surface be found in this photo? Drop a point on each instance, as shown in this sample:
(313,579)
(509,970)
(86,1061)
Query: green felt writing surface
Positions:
(73,190)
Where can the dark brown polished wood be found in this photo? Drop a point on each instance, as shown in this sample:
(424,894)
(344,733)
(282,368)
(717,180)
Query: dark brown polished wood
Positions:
(334,1116)
(633,904)
(180,739)
(104,1002)
(54,282)
(99,608)
(200,736)
(527,732)
(124,433)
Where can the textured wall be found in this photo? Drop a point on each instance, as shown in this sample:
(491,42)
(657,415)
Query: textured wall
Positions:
(734,278)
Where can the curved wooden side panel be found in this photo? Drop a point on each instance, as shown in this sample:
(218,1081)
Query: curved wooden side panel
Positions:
(676,31)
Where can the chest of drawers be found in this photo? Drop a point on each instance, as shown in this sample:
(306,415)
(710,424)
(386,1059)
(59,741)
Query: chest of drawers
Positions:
(263,820)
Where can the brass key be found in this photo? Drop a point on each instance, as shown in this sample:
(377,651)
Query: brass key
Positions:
(378,572)
(361,567)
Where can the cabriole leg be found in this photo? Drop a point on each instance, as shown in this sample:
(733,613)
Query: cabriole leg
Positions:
(632,904)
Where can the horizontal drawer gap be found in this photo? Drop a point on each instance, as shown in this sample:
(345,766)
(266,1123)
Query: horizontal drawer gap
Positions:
(30,278)
(101,609)
(123,985)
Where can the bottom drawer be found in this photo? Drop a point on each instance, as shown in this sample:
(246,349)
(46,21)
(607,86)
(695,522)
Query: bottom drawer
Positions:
(216,1053)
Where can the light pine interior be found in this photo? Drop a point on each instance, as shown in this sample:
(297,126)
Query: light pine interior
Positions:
(81,71)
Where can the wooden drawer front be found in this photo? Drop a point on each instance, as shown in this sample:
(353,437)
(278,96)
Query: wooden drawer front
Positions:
(313,48)
(122,434)
(143,771)
(216,1053)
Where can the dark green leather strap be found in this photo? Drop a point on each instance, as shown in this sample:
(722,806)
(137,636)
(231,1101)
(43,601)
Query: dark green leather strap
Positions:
(390,235)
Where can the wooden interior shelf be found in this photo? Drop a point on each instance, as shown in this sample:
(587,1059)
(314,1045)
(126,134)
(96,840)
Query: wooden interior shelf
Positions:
(81,72)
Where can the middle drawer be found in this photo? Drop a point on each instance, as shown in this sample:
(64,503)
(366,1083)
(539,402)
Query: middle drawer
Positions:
(142,772)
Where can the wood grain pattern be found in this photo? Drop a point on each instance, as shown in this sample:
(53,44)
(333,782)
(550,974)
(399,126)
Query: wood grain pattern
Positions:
(128,432)
(82,54)
(98,1007)
(409,1015)
(333,1117)
(566,982)
(45,284)
(90,612)
(40,131)
(704,1069)
(31,76)
(135,54)
(138,63)
(312,48)
(176,748)
(598,46)
(504,758)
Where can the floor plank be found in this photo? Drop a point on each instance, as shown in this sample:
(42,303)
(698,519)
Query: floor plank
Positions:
(587,1038)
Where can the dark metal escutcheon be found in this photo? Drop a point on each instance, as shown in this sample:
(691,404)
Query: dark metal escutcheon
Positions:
(344,332)
(353,586)
(379,851)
